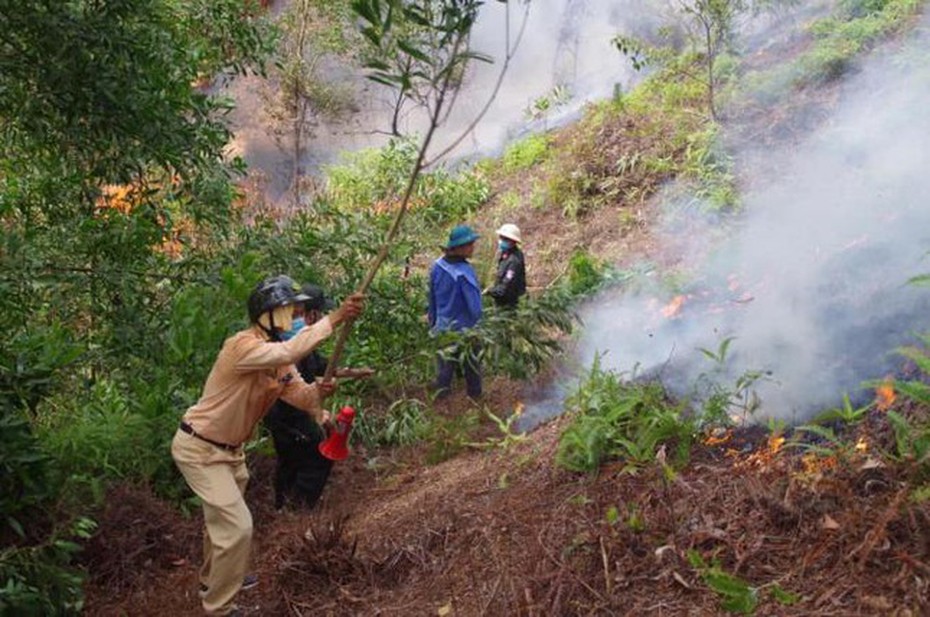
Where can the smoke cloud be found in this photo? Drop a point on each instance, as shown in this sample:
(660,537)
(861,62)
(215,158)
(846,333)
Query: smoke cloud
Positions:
(565,44)
(813,285)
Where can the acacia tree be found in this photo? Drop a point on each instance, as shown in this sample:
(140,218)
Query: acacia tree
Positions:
(96,95)
(106,146)
(310,32)
(715,21)
(710,27)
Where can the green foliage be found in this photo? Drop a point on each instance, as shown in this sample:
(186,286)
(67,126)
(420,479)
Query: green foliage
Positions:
(912,433)
(585,273)
(107,150)
(448,437)
(846,413)
(912,439)
(526,153)
(508,435)
(374,180)
(721,402)
(614,418)
(856,27)
(542,105)
(736,595)
(100,437)
(404,423)
(613,156)
(23,470)
(830,444)
(520,342)
(32,362)
(39,580)
(417,47)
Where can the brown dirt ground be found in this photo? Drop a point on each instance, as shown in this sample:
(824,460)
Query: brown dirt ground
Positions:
(507,532)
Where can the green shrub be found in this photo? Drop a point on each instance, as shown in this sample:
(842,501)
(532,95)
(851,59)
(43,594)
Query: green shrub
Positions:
(40,580)
(447,437)
(585,273)
(614,418)
(403,424)
(519,342)
(23,470)
(526,153)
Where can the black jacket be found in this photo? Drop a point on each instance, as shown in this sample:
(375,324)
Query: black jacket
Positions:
(510,283)
(285,417)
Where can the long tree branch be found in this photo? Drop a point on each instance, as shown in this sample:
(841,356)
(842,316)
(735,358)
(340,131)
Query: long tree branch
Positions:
(510,51)
(398,218)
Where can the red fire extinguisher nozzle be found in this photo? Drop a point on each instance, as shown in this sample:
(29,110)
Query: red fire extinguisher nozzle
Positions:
(335,446)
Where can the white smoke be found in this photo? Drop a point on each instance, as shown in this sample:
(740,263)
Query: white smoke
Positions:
(565,44)
(834,228)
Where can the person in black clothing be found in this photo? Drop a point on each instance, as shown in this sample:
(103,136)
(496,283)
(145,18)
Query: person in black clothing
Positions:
(301,471)
(510,283)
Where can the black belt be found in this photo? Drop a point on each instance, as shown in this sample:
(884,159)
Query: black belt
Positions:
(187,428)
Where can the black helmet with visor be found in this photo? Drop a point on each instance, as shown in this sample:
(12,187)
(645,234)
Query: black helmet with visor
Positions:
(272,293)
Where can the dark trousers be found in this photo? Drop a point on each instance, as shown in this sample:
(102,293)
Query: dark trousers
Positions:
(454,360)
(301,472)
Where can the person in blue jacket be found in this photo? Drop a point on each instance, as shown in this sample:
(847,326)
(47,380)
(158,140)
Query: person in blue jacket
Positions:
(455,304)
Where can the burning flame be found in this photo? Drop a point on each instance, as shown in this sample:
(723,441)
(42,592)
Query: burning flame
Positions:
(767,456)
(718,437)
(672,310)
(885,395)
(814,465)
(862,445)
(775,443)
(518,408)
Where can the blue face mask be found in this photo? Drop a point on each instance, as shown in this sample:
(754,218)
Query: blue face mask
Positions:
(296,326)
(504,245)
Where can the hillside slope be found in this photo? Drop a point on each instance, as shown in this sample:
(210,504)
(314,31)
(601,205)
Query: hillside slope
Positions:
(747,525)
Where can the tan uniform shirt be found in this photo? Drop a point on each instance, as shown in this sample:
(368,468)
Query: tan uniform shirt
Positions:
(249,375)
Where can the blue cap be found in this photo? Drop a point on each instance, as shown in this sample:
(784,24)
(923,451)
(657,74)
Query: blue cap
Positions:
(460,236)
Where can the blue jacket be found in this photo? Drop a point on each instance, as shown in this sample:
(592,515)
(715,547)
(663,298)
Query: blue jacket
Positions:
(454,295)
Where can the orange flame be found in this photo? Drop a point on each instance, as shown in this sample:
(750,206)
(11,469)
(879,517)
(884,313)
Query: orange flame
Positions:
(775,443)
(673,308)
(718,437)
(862,445)
(885,395)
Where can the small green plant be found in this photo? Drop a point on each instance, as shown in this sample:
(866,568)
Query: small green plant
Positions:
(447,437)
(40,579)
(402,424)
(508,435)
(736,595)
(830,445)
(634,519)
(722,403)
(912,440)
(542,105)
(405,422)
(846,413)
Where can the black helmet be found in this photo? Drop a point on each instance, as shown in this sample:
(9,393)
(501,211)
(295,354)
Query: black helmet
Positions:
(317,299)
(272,293)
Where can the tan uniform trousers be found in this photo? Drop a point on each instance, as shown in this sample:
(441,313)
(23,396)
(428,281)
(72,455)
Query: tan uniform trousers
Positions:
(219,478)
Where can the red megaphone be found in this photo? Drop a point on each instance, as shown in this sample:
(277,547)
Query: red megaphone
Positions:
(335,447)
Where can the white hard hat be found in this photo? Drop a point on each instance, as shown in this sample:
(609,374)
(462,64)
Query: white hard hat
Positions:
(510,231)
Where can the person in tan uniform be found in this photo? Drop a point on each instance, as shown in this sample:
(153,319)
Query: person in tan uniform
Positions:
(254,368)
